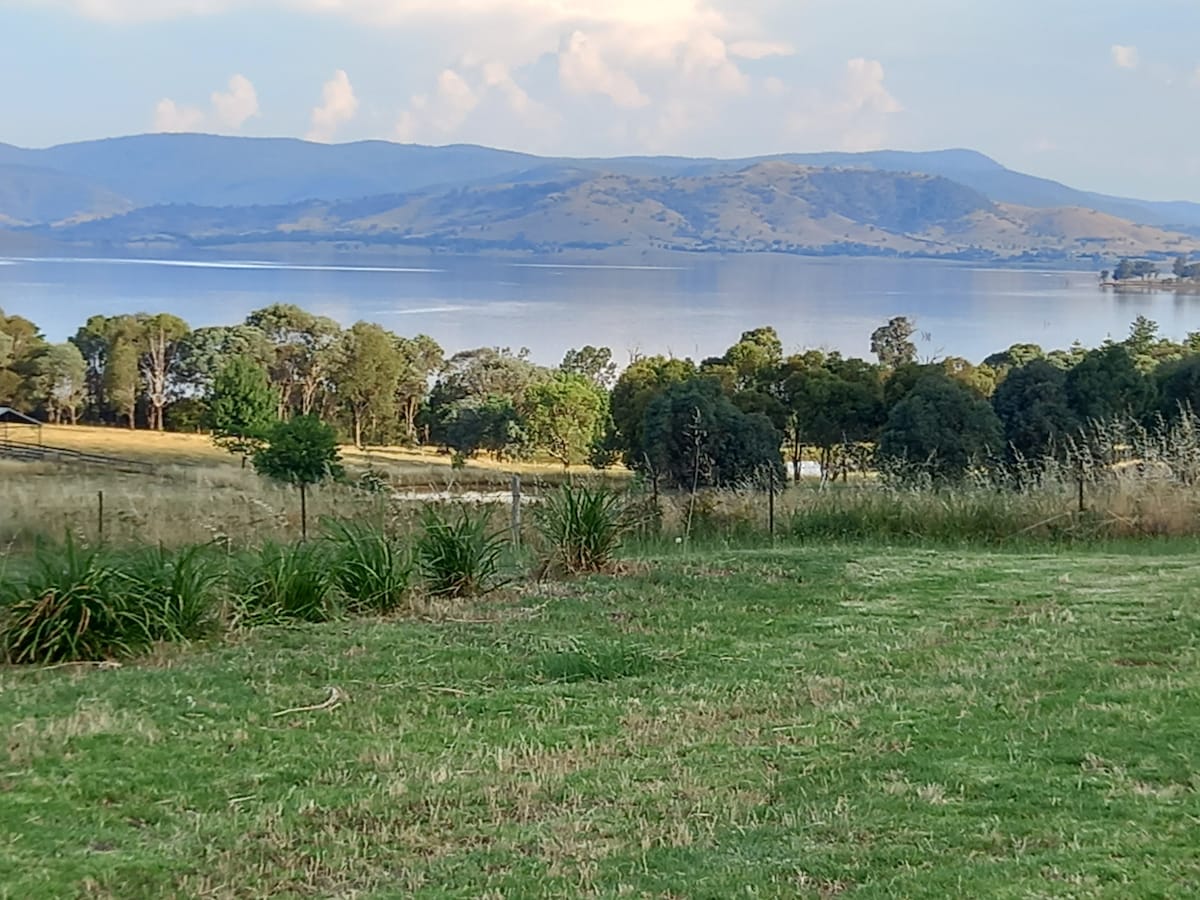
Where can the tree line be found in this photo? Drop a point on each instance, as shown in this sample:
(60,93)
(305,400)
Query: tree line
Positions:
(744,415)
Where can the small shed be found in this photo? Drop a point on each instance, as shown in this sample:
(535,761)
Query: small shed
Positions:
(16,426)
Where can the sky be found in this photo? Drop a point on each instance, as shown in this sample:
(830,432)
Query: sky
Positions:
(1100,94)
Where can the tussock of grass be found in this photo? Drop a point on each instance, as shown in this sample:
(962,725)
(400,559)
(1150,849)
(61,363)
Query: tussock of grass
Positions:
(458,552)
(599,662)
(581,527)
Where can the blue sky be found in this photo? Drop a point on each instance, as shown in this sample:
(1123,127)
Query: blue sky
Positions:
(1099,94)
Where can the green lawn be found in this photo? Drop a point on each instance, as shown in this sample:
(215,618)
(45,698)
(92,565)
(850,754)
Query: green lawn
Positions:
(802,722)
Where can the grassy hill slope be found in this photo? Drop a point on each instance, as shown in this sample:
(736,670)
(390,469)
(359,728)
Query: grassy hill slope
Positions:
(772,206)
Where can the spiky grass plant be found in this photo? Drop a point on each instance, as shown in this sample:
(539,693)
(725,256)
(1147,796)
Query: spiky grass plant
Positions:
(458,554)
(372,570)
(70,604)
(286,582)
(581,527)
(177,588)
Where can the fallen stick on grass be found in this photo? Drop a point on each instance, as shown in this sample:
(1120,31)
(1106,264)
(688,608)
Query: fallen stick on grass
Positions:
(333,701)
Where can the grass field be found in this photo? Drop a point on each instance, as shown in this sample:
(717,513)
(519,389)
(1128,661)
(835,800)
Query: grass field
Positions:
(800,722)
(416,466)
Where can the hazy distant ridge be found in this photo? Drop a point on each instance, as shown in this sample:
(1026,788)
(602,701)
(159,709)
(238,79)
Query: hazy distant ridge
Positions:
(179,190)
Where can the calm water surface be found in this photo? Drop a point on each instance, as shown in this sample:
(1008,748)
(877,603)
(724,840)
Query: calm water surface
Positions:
(695,308)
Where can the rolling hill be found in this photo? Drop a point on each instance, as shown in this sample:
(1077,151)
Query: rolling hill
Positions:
(190,191)
(774,206)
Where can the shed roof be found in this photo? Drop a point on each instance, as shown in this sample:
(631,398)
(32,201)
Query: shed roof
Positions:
(8,414)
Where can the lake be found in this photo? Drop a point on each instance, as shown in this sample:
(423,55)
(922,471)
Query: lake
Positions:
(696,307)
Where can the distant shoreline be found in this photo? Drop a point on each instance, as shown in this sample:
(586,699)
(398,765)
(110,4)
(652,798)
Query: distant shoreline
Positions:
(366,256)
(1151,286)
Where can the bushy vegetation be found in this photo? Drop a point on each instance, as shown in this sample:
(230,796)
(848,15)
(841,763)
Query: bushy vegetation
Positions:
(581,527)
(372,570)
(458,551)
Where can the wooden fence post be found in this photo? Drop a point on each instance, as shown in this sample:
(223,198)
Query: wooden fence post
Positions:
(100,516)
(516,510)
(771,502)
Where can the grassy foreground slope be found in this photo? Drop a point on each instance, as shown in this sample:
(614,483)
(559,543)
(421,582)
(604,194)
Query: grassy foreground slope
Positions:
(798,722)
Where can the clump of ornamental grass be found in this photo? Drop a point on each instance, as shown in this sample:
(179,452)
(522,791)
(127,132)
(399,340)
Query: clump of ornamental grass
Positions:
(71,603)
(457,553)
(581,527)
(372,570)
(288,582)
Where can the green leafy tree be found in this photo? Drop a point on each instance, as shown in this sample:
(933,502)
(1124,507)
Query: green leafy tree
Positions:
(493,425)
(422,357)
(485,380)
(20,345)
(755,359)
(1033,409)
(159,340)
(981,379)
(565,416)
(835,404)
(59,382)
(367,374)
(205,351)
(241,407)
(1178,387)
(94,341)
(121,379)
(1128,269)
(639,385)
(302,452)
(694,435)
(593,363)
(940,427)
(892,343)
(1106,384)
(304,348)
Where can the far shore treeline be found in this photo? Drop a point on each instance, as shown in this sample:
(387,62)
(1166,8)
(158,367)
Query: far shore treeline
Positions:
(752,411)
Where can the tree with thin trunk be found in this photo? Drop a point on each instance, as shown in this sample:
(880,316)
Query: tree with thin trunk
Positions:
(121,380)
(304,347)
(241,407)
(366,375)
(301,452)
(160,338)
(58,382)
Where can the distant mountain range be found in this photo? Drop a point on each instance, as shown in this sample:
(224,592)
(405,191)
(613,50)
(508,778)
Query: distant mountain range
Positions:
(171,193)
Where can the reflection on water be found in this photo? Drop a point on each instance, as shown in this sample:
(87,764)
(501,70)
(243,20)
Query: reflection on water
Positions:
(695,308)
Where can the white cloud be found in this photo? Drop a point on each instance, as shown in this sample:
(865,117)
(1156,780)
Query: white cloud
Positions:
(854,115)
(865,90)
(442,114)
(475,92)
(338,106)
(230,110)
(170,116)
(582,70)
(760,49)
(1125,57)
(239,104)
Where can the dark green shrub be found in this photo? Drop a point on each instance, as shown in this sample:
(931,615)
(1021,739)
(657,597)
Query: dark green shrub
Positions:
(458,554)
(372,571)
(582,528)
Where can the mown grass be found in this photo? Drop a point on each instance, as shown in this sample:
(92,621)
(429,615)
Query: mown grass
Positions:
(837,720)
